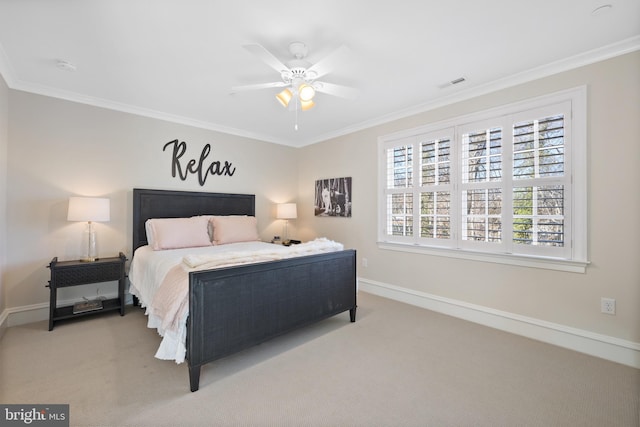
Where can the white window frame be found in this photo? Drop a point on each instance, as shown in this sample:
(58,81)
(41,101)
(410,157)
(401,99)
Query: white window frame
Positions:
(573,257)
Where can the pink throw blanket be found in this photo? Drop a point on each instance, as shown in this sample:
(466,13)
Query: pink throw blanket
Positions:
(171,302)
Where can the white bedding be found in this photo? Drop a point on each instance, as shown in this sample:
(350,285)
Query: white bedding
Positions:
(149,268)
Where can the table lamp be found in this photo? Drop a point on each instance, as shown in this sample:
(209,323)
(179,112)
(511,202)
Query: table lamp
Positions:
(286,211)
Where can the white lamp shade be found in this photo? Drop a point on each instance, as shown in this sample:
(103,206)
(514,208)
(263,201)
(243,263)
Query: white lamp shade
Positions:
(88,209)
(286,211)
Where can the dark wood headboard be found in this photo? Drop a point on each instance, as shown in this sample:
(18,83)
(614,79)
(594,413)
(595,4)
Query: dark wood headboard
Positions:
(180,204)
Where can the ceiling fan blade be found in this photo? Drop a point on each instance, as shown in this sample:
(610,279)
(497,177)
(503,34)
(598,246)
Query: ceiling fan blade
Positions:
(336,90)
(258,86)
(329,62)
(267,57)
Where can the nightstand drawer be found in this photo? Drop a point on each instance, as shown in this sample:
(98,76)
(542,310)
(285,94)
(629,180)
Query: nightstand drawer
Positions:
(90,273)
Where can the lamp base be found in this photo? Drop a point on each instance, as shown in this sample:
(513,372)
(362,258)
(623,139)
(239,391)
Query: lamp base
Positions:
(89,243)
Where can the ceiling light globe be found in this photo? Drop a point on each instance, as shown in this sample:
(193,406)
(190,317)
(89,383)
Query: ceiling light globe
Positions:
(306,105)
(306,92)
(284,97)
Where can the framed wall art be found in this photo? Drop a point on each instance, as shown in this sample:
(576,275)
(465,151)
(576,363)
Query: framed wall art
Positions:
(333,197)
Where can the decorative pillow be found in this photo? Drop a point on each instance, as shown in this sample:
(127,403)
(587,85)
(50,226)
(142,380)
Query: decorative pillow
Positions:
(234,228)
(209,225)
(173,233)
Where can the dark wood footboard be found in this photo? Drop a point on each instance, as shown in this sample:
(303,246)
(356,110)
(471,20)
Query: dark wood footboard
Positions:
(231,309)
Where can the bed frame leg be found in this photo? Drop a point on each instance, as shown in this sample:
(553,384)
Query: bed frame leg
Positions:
(194,377)
(352,314)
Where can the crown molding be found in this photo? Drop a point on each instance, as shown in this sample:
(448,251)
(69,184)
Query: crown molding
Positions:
(139,111)
(596,55)
(590,57)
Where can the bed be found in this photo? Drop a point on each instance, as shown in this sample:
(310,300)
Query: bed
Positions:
(232,308)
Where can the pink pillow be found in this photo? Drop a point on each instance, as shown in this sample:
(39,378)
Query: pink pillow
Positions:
(173,233)
(234,228)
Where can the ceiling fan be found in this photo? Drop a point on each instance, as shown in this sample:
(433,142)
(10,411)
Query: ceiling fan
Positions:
(298,76)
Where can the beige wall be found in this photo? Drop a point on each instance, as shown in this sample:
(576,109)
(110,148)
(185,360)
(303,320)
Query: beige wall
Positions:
(4,137)
(59,149)
(569,299)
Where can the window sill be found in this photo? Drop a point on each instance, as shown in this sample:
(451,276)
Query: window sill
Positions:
(510,259)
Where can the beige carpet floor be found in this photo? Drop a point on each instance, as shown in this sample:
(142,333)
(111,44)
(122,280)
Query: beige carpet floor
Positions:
(398,365)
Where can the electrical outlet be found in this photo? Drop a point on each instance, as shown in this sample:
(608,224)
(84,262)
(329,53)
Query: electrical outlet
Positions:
(608,305)
(365,262)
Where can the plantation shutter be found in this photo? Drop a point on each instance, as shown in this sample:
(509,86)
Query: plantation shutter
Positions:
(399,190)
(500,184)
(541,186)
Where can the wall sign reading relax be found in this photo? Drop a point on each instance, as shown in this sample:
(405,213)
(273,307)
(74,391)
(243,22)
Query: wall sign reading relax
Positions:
(184,167)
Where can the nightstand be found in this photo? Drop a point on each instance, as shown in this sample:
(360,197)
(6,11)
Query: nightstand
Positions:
(76,273)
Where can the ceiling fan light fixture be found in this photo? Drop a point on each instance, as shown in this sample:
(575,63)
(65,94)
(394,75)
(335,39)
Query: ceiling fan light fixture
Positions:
(284,97)
(306,92)
(306,105)
(298,77)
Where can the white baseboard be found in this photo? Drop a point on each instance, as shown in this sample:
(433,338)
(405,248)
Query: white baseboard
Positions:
(4,322)
(602,346)
(16,316)
(27,314)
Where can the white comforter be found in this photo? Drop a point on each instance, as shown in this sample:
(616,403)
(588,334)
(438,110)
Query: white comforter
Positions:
(150,268)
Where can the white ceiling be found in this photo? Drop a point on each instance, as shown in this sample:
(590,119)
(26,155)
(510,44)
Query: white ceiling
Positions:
(177,60)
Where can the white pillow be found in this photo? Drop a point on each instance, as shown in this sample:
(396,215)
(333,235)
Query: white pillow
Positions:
(234,228)
(149,231)
(173,233)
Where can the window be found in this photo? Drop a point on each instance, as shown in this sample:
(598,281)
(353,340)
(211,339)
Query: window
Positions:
(506,185)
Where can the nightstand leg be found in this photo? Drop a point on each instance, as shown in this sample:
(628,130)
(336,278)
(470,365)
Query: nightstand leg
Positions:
(121,295)
(52,305)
